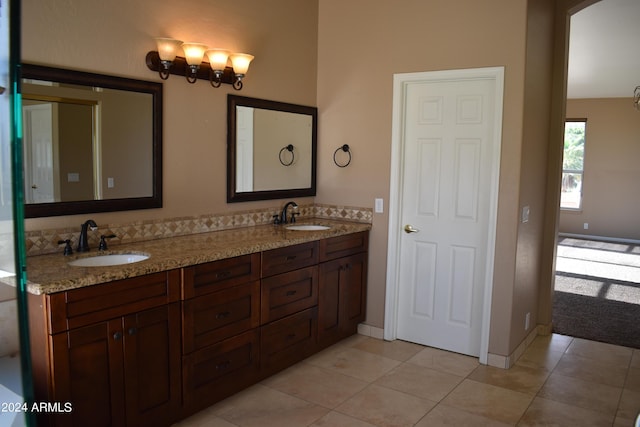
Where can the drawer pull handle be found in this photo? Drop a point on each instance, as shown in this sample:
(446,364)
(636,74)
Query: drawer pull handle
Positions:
(117,336)
(291,257)
(223,275)
(291,336)
(223,315)
(291,293)
(222,366)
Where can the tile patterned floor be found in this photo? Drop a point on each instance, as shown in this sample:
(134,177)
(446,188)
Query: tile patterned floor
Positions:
(559,381)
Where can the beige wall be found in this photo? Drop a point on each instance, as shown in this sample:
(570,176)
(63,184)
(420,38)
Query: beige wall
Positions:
(341,56)
(533,172)
(126,145)
(610,201)
(113,38)
(361,46)
(272,131)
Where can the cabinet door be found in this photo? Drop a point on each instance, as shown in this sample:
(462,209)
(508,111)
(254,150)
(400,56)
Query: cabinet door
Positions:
(342,299)
(88,373)
(152,366)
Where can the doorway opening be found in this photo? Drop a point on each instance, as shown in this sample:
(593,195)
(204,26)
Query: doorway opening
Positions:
(597,272)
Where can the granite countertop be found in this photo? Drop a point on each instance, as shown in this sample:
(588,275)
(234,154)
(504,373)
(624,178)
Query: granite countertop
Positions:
(48,274)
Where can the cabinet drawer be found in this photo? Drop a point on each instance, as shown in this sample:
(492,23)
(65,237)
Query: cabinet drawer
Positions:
(210,277)
(288,293)
(337,247)
(287,341)
(219,315)
(220,370)
(84,306)
(289,258)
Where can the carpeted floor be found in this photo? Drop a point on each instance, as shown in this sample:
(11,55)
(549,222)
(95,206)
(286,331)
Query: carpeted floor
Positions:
(597,291)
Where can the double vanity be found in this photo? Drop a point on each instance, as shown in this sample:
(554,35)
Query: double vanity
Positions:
(184,322)
(159,329)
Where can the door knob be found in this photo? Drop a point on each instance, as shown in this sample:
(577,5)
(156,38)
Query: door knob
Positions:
(409,229)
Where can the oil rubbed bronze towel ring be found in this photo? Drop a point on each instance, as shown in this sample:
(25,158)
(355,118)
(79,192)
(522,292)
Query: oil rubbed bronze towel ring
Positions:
(288,148)
(346,149)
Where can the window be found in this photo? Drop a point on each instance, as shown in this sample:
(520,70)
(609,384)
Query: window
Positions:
(573,164)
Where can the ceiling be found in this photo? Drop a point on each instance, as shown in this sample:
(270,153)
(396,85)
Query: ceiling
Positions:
(604,50)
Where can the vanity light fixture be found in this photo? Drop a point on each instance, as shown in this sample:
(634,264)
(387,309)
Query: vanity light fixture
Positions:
(167,61)
(193,54)
(167,52)
(636,98)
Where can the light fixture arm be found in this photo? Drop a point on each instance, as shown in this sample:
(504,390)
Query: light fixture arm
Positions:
(179,67)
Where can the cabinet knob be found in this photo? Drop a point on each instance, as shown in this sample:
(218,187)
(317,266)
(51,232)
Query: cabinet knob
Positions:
(117,335)
(223,365)
(132,331)
(223,315)
(291,293)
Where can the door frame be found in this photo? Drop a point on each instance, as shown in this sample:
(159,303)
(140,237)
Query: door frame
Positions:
(400,82)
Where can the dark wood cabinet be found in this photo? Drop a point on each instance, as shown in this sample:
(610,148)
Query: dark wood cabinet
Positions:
(88,372)
(342,280)
(114,371)
(221,319)
(153,349)
(287,341)
(289,314)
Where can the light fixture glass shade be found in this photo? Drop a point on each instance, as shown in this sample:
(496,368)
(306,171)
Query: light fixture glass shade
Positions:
(218,59)
(240,63)
(168,48)
(194,52)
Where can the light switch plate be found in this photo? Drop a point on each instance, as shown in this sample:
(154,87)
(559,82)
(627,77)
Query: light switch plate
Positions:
(525,214)
(379,207)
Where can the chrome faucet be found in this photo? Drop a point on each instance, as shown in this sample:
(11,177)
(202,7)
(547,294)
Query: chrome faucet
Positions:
(283,216)
(83,241)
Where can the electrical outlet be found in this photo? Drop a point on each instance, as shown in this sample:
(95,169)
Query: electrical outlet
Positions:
(586,225)
(527,320)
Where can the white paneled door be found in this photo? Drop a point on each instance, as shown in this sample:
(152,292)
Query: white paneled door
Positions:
(39,153)
(446,211)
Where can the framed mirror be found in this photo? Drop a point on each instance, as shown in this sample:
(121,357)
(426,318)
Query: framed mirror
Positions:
(271,149)
(92,143)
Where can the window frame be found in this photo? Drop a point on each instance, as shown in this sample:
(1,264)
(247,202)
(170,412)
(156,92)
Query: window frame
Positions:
(574,171)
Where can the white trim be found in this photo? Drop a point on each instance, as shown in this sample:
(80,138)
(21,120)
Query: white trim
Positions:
(400,81)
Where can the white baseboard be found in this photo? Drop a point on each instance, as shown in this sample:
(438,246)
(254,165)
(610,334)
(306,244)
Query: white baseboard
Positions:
(370,331)
(506,362)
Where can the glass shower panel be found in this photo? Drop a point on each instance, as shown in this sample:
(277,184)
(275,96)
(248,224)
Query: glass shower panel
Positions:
(15,374)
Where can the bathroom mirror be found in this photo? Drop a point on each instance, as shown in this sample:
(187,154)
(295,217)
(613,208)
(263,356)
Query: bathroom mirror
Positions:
(92,143)
(271,150)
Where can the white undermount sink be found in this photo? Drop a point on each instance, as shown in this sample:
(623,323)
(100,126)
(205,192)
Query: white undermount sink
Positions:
(107,260)
(307,227)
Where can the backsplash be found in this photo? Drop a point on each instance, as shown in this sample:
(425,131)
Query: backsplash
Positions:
(42,242)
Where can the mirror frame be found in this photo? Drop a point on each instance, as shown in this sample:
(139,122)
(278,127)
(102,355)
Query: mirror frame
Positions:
(234,101)
(39,72)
